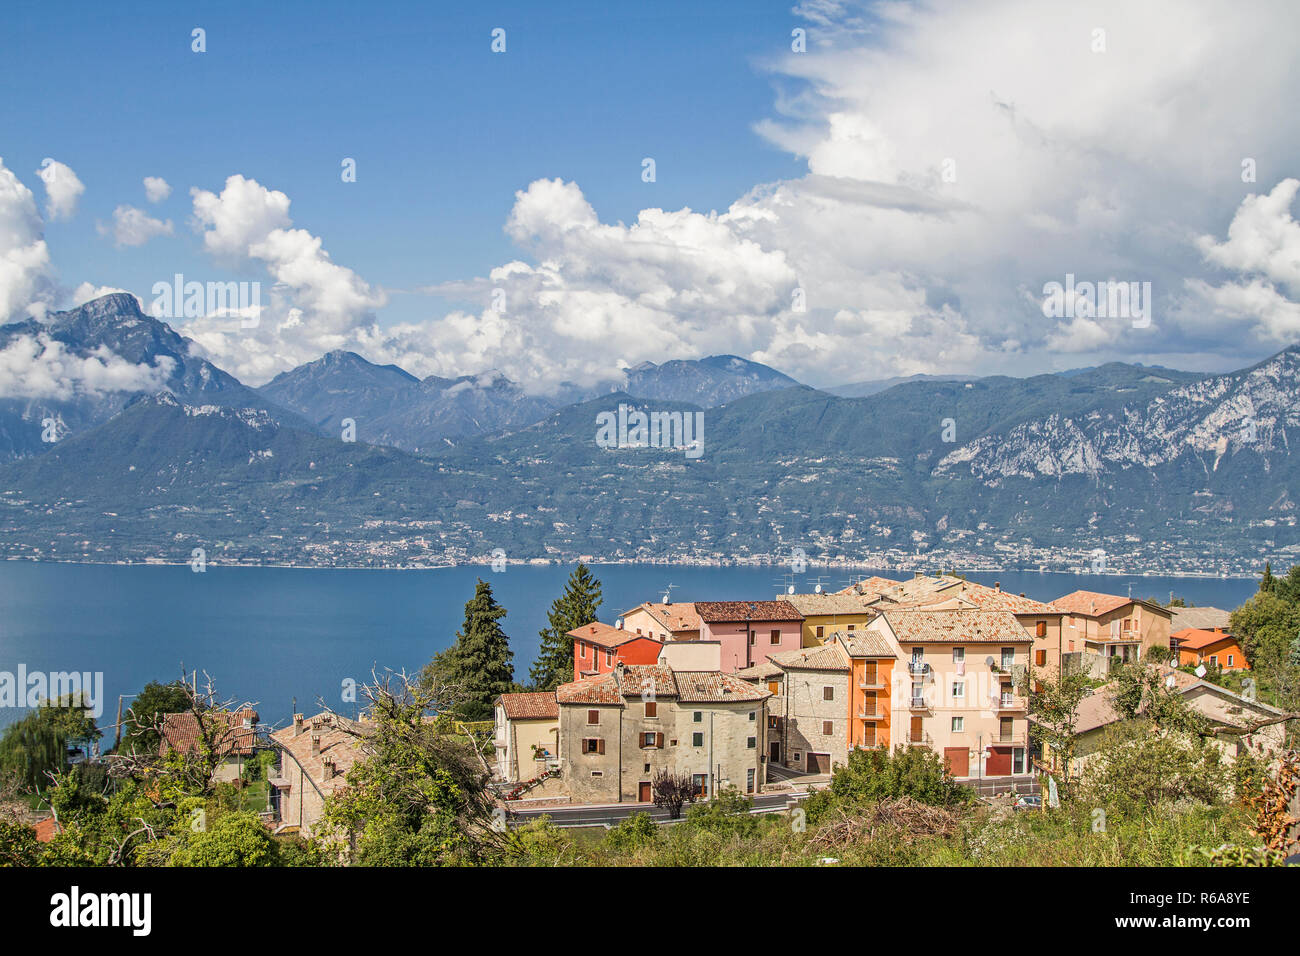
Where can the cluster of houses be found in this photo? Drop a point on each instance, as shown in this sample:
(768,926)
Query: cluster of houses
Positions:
(750,693)
(756,694)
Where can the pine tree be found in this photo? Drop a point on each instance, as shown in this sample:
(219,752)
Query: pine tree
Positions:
(575,607)
(478,666)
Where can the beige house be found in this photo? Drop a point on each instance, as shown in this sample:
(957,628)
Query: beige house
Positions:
(1099,626)
(1224,708)
(315,756)
(808,713)
(954,686)
(824,614)
(618,730)
(1042,622)
(664,622)
(527,735)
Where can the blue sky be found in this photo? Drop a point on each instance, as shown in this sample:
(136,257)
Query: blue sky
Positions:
(443,130)
(895,197)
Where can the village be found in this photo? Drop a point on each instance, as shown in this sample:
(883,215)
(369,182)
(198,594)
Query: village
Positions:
(770,697)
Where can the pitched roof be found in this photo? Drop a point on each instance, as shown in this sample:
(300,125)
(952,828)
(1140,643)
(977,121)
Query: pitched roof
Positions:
(46,829)
(1096,709)
(933,589)
(864,644)
(869,587)
(718,612)
(535,706)
(712,687)
(828,657)
(1195,638)
(182,733)
(823,604)
(605,635)
(612,687)
(965,626)
(760,671)
(341,746)
(672,617)
(1205,618)
(1095,603)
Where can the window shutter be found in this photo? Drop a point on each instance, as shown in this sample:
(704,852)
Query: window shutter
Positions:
(600,745)
(659,741)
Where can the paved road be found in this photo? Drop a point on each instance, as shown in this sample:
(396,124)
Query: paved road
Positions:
(611,814)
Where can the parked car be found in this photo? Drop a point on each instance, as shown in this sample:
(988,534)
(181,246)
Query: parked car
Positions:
(1029,801)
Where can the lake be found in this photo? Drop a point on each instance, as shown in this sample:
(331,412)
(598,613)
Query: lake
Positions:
(274,634)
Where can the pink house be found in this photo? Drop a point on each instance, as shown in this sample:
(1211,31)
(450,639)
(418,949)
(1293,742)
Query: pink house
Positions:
(750,630)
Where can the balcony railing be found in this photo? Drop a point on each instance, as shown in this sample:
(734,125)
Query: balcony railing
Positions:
(1009,702)
(872,715)
(877,684)
(918,703)
(1007,740)
(918,667)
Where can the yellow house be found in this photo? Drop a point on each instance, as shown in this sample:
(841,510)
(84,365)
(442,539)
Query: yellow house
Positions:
(824,614)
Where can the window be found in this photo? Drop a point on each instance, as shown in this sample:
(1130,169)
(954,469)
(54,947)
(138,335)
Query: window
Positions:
(828,693)
(652,709)
(1214,659)
(776,637)
(958,724)
(1040,629)
(958,655)
(593,745)
(1018,760)
(774,686)
(918,654)
(1008,658)
(959,690)
(773,723)
(609,657)
(697,740)
(699,716)
(1230,656)
(652,739)
(598,773)
(582,651)
(593,717)
(751,742)
(753,638)
(850,627)
(647,768)
(701,783)
(918,694)
(749,780)
(821,631)
(753,714)
(798,756)
(828,728)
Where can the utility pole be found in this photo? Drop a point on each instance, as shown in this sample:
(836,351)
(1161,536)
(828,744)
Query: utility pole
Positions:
(118,741)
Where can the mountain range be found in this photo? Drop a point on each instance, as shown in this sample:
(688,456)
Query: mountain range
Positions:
(1156,469)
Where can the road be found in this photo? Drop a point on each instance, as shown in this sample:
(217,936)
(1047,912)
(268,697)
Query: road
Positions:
(610,814)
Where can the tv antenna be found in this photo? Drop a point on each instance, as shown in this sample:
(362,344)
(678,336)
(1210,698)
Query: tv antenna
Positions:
(668,593)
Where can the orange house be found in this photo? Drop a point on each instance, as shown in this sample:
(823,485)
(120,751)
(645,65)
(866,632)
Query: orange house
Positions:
(1196,646)
(598,647)
(870,679)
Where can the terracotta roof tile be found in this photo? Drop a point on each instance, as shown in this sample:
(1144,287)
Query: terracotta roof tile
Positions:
(828,657)
(535,706)
(826,604)
(864,644)
(1204,618)
(605,635)
(712,687)
(1195,638)
(181,732)
(720,612)
(672,617)
(1094,603)
(965,626)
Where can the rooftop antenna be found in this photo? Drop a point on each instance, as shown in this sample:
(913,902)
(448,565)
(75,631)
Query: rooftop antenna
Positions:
(817,585)
(786,582)
(668,593)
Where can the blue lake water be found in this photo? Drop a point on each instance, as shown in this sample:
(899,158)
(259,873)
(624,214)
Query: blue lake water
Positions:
(274,634)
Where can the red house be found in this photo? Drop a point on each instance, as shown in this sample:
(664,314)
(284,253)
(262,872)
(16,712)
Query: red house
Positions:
(598,647)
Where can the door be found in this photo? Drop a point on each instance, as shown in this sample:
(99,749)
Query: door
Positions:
(999,762)
(957,760)
(815,763)
(776,752)
(643,792)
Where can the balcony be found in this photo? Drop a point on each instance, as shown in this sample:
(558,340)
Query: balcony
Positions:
(870,715)
(921,740)
(1009,703)
(1007,740)
(877,684)
(918,667)
(918,703)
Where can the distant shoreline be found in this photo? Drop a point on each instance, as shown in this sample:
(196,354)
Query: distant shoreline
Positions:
(596,562)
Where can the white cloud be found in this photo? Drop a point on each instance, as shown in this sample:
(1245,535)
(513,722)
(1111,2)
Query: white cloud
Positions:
(26,284)
(62,189)
(134,227)
(41,367)
(88,290)
(156,189)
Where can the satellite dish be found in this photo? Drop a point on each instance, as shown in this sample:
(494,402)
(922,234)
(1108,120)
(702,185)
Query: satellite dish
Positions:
(790,589)
(666,599)
(817,589)
(619,624)
(989,661)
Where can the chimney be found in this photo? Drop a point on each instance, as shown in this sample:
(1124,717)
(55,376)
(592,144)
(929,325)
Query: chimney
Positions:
(297,724)
(315,745)
(997,585)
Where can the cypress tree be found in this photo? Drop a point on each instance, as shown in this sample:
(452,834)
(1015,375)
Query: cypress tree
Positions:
(572,609)
(1266,583)
(478,665)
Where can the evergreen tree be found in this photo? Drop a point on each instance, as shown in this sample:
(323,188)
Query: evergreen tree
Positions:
(477,667)
(1266,583)
(575,607)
